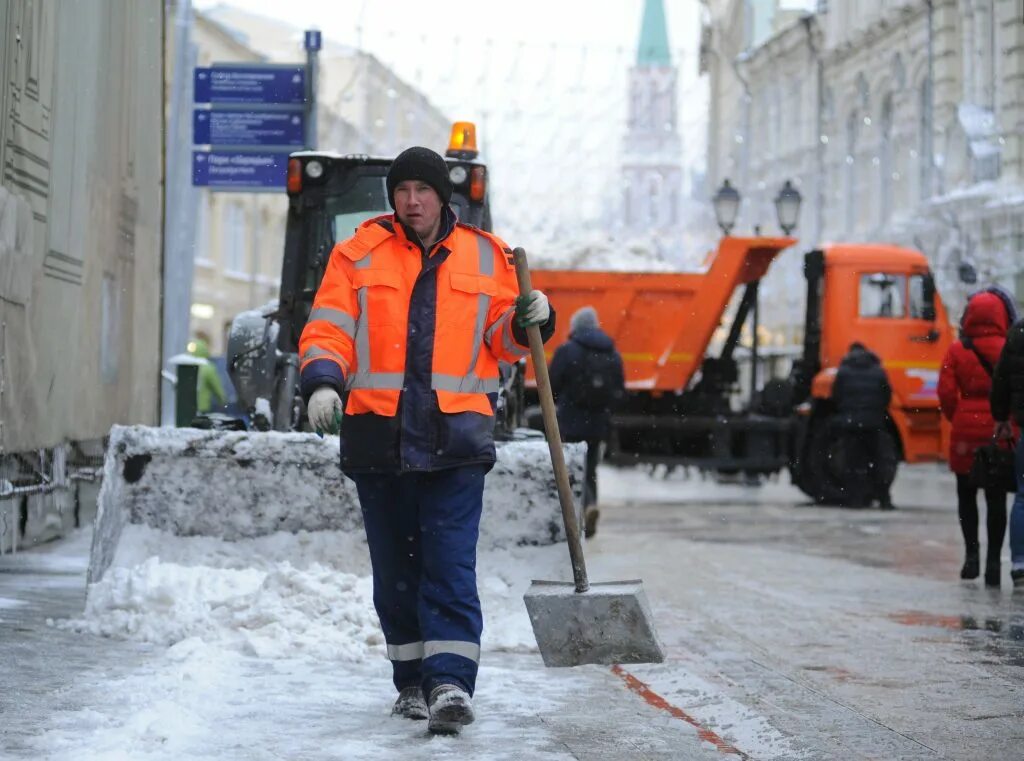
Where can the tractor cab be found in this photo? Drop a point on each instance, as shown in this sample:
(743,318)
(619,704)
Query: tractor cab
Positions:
(329,196)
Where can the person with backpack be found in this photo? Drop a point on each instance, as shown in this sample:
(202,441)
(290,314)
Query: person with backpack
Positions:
(861,394)
(588,384)
(965,383)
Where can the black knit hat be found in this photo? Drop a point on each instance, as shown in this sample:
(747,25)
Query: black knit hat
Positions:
(422,164)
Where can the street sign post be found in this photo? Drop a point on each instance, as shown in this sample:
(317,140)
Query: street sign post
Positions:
(251,83)
(248,128)
(257,114)
(237,171)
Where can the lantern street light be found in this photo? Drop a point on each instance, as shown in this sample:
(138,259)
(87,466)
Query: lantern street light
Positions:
(787,207)
(727,205)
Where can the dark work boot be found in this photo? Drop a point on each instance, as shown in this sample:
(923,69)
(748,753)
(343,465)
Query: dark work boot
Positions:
(971,565)
(992,572)
(450,709)
(410,704)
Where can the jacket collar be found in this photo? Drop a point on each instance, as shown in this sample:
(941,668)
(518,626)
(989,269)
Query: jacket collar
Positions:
(448,221)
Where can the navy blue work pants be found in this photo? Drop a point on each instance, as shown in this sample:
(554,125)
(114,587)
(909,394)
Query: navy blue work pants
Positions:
(422,530)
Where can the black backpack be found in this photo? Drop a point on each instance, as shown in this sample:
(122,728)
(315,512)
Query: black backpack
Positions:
(597,386)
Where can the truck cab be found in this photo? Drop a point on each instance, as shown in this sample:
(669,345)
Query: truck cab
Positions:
(329,195)
(884,297)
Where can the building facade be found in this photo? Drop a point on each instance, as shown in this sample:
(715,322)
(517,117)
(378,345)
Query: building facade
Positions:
(898,121)
(81,182)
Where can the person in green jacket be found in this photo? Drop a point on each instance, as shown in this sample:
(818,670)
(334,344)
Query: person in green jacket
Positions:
(209,385)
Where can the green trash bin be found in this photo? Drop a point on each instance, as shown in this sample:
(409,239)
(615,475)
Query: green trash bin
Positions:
(186,390)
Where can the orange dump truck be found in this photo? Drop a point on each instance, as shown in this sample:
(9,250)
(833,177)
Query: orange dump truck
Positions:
(680,407)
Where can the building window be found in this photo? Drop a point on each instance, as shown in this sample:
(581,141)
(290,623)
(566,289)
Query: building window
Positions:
(653,200)
(984,49)
(885,167)
(234,238)
(796,110)
(110,328)
(852,128)
(924,147)
(776,117)
(202,241)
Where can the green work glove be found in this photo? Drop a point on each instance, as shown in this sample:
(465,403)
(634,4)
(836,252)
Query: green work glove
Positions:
(532,309)
(325,411)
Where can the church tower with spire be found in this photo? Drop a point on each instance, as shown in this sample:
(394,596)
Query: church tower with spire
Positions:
(652,174)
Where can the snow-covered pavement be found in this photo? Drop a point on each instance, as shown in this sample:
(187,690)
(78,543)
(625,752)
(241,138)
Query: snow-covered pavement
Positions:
(792,632)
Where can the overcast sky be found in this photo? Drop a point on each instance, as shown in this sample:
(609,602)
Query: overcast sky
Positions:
(546,80)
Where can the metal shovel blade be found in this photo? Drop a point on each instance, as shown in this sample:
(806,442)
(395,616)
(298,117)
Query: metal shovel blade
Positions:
(609,623)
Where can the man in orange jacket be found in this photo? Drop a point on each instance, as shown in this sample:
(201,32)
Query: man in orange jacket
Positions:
(412,317)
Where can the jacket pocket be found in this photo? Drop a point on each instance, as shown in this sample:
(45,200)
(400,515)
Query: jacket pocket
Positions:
(384,302)
(471,282)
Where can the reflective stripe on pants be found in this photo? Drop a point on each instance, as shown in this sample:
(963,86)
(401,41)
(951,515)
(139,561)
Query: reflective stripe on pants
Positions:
(422,530)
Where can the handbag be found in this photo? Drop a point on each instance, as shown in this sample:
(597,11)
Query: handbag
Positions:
(993,467)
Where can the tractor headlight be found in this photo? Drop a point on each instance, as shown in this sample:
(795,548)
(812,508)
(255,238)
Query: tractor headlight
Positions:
(458,175)
(314,170)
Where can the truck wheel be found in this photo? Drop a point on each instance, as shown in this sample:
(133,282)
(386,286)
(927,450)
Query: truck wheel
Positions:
(823,470)
(825,475)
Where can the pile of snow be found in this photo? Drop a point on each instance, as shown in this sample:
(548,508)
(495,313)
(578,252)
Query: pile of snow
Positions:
(239,485)
(284,595)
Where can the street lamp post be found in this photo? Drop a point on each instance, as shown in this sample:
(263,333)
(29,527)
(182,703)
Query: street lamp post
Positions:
(727,206)
(787,207)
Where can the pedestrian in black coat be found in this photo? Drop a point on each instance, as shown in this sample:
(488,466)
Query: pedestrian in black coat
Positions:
(861,394)
(1008,404)
(588,384)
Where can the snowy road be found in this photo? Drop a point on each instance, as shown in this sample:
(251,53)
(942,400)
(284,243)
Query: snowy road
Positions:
(793,632)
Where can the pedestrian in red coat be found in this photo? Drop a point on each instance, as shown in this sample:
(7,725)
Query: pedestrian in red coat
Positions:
(964,385)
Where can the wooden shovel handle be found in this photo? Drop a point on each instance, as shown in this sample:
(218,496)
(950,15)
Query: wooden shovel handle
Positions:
(547,406)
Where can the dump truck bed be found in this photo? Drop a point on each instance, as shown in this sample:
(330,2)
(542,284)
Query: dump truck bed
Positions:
(662,323)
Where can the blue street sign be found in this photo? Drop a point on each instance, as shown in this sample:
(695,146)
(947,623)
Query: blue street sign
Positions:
(228,169)
(256,83)
(312,39)
(278,128)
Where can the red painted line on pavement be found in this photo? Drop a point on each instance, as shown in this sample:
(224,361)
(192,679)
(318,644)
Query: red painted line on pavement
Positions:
(918,618)
(657,701)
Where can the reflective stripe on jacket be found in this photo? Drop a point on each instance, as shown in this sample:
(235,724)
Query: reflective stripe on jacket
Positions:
(390,323)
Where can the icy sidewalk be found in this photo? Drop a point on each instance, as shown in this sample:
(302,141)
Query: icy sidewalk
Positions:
(847,631)
(196,702)
(792,632)
(269,649)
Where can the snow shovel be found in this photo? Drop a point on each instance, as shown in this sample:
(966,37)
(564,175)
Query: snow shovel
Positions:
(581,622)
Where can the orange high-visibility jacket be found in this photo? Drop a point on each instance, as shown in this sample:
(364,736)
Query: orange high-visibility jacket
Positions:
(360,317)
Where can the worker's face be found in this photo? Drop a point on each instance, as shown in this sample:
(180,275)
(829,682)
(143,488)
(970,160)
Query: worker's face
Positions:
(419,206)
